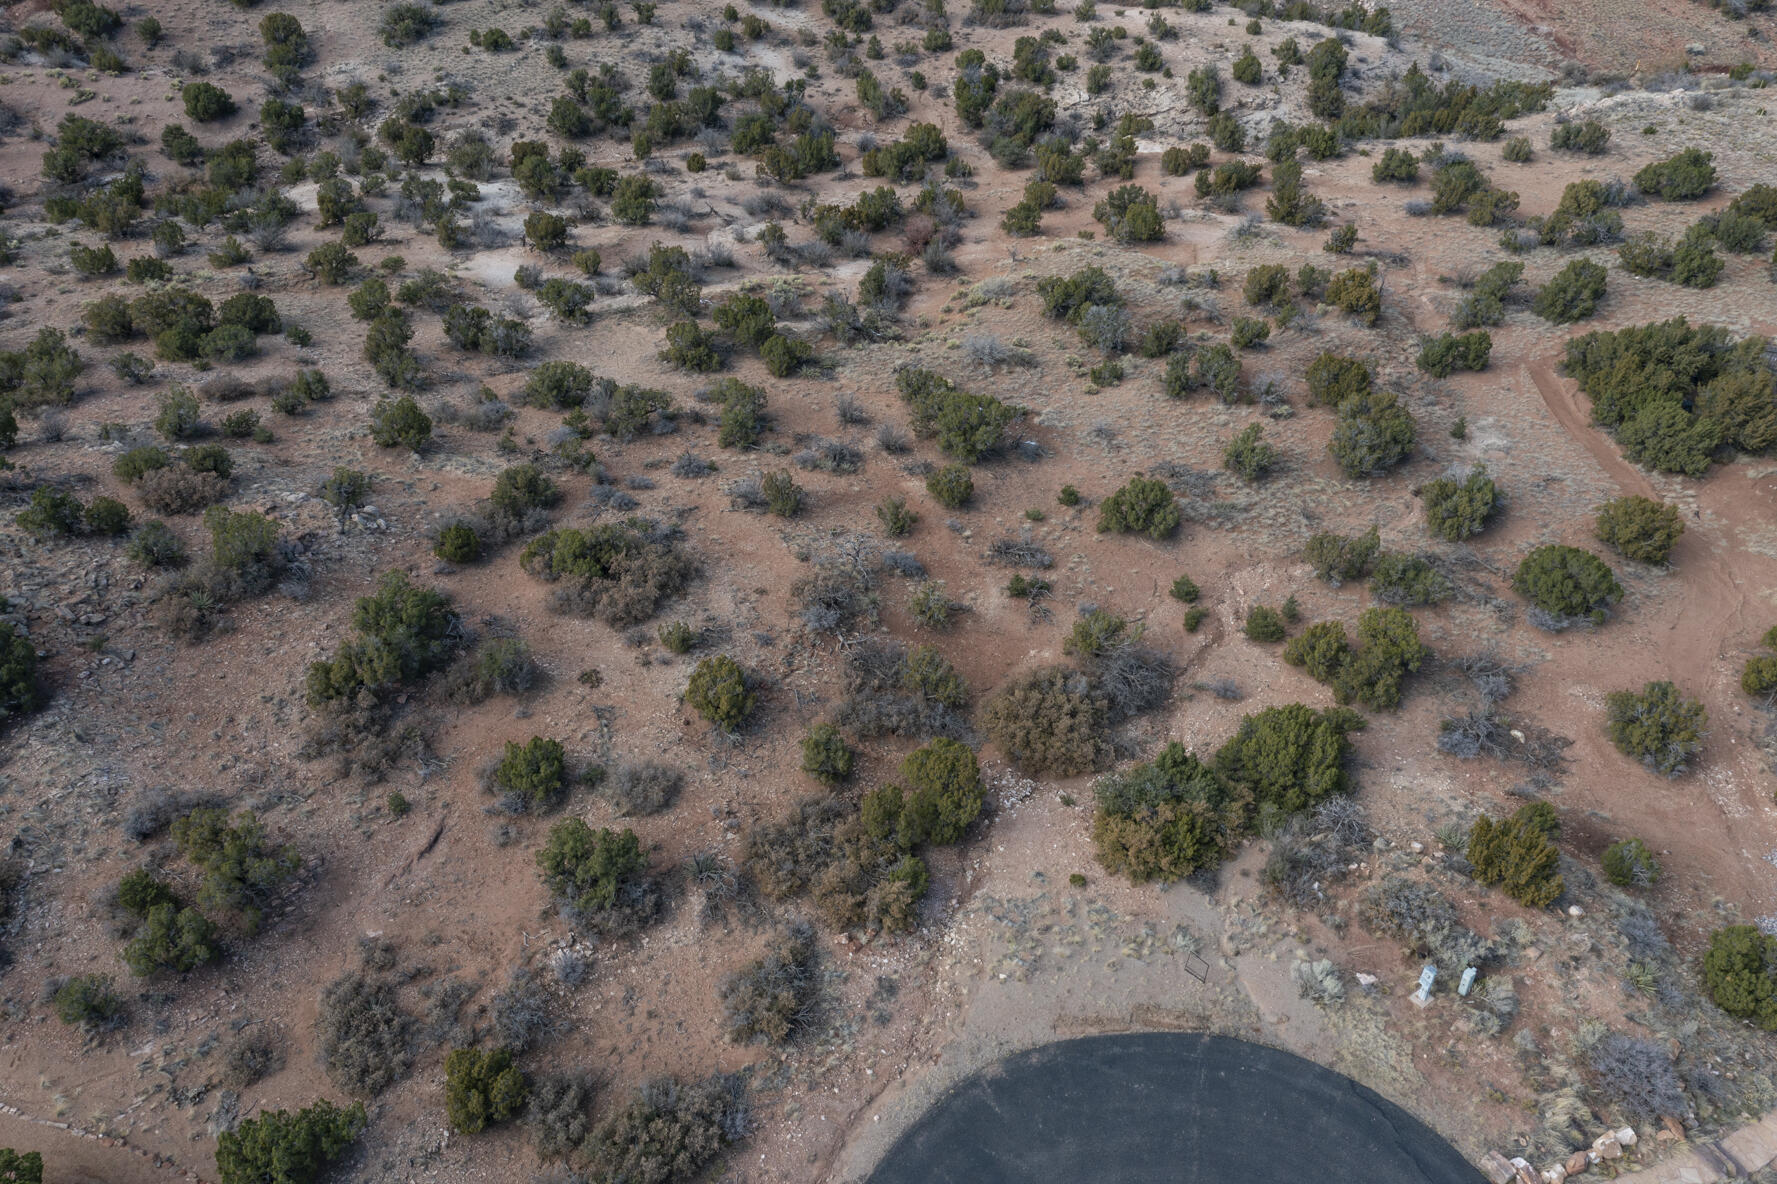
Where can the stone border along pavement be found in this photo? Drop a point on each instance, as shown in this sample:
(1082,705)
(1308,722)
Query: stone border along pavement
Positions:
(1731,1157)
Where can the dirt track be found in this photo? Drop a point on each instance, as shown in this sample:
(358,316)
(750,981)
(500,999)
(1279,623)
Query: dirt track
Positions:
(1700,632)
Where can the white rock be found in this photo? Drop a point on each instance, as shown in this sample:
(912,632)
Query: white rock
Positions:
(1556,1174)
(1627,1136)
(1574,910)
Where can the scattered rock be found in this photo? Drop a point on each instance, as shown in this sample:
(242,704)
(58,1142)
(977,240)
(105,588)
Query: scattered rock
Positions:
(1498,1168)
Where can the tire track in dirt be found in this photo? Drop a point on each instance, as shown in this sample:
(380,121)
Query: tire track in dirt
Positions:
(1714,603)
(1577,421)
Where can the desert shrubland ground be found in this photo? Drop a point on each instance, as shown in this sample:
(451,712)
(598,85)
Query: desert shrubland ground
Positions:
(579,569)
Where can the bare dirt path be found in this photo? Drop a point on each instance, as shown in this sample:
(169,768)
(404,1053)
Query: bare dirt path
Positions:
(81,1157)
(1564,404)
(1698,635)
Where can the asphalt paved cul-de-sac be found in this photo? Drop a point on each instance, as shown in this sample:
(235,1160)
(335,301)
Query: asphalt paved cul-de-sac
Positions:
(1167,1108)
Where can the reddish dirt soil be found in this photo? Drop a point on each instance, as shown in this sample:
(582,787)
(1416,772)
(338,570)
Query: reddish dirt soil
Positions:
(1004,956)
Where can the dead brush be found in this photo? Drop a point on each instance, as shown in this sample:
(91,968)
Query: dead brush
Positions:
(828,456)
(891,691)
(691,466)
(1186,480)
(254,1056)
(1637,1075)
(500,666)
(558,1114)
(645,787)
(850,412)
(1418,912)
(1023,552)
(772,997)
(521,1012)
(1303,866)
(903,563)
(748,493)
(1490,674)
(1132,679)
(834,597)
(841,318)
(1477,733)
(365,1037)
(155,809)
(986,350)
(1310,853)
(917,232)
(609,497)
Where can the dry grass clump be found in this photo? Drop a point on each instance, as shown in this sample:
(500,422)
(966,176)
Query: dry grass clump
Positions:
(1417,912)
